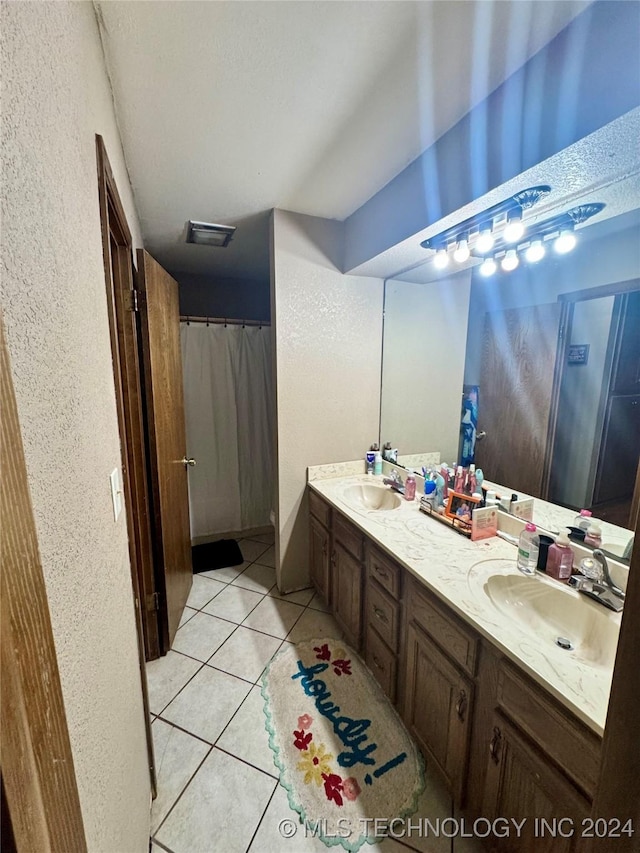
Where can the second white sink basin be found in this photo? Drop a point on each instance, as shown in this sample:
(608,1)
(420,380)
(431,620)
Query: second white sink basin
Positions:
(552,613)
(370,496)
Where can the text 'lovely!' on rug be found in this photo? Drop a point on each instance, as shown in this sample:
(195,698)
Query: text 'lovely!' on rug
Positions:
(344,755)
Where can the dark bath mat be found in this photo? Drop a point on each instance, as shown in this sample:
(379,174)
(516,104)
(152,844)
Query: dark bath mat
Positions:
(215,555)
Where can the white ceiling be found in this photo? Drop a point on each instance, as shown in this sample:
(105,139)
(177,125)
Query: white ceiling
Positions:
(228,109)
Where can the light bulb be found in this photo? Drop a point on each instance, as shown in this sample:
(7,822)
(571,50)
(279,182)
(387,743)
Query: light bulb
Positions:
(488,267)
(510,261)
(565,242)
(462,252)
(535,252)
(514,229)
(485,241)
(441,259)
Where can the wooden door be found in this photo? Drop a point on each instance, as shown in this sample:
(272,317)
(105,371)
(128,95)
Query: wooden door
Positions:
(160,336)
(346,593)
(319,557)
(521,783)
(438,702)
(518,386)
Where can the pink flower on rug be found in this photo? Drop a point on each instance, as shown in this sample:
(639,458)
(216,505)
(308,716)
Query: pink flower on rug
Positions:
(305,721)
(323,652)
(351,789)
(302,740)
(341,666)
(332,787)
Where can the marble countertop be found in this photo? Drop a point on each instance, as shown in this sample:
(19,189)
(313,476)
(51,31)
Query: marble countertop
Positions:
(453,568)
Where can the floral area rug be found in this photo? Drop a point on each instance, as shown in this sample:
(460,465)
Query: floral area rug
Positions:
(345,757)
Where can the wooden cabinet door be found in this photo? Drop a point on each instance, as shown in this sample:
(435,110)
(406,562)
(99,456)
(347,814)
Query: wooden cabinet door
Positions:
(319,557)
(437,708)
(346,593)
(522,783)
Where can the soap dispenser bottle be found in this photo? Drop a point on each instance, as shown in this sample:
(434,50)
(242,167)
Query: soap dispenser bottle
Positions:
(560,559)
(377,465)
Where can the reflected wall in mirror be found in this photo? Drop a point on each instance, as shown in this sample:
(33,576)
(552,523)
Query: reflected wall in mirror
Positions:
(575,439)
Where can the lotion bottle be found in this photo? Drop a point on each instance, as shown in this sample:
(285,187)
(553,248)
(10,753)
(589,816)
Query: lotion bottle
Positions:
(459,481)
(377,465)
(594,536)
(560,559)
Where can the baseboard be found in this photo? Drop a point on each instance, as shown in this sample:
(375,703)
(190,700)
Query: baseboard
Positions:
(232,534)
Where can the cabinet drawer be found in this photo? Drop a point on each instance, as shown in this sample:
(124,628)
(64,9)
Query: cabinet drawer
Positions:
(320,509)
(383,614)
(348,536)
(454,638)
(571,745)
(385,571)
(381,662)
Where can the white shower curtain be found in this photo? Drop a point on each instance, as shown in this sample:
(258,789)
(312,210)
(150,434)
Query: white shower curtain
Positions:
(229,421)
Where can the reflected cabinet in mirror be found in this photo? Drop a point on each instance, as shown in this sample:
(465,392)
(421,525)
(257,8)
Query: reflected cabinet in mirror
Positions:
(553,349)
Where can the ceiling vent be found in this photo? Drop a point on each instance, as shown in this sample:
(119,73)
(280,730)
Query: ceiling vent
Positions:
(209,234)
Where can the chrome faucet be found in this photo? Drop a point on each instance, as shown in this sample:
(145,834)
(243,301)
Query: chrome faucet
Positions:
(600,557)
(395,481)
(606,592)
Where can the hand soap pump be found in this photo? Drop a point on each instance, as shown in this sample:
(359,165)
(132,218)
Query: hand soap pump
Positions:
(377,465)
(560,559)
(410,486)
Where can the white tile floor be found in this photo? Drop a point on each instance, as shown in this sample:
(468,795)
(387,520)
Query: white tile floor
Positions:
(217,783)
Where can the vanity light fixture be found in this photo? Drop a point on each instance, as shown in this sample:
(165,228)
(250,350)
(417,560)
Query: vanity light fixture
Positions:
(441,259)
(462,252)
(510,260)
(209,234)
(535,252)
(515,227)
(488,267)
(478,233)
(565,241)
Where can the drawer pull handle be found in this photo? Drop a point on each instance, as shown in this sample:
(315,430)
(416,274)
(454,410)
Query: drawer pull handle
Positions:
(380,614)
(377,663)
(494,746)
(333,558)
(461,706)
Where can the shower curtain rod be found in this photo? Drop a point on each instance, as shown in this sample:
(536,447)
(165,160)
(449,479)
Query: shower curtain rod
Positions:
(226,321)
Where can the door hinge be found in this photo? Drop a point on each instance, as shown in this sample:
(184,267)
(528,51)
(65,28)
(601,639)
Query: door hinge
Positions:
(133,300)
(153,601)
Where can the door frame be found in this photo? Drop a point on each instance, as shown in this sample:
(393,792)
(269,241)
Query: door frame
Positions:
(117,252)
(42,803)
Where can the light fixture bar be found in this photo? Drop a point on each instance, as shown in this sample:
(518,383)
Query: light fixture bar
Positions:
(484,221)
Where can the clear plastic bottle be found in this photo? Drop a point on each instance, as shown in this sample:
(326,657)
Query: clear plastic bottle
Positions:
(410,486)
(583,520)
(528,547)
(594,536)
(560,559)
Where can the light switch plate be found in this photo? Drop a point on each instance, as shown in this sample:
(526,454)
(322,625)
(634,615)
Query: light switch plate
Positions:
(116,493)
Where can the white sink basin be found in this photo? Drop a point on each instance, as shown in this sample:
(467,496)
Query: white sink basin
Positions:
(551,612)
(370,496)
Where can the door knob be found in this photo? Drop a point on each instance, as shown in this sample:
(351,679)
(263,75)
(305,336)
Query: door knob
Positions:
(480,435)
(191,461)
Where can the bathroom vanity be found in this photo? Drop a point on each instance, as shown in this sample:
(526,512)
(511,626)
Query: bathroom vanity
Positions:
(464,646)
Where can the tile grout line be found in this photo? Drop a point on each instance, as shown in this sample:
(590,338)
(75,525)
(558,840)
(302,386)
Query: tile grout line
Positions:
(262,816)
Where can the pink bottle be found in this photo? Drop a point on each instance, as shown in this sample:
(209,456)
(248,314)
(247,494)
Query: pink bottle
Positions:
(458,483)
(560,559)
(410,486)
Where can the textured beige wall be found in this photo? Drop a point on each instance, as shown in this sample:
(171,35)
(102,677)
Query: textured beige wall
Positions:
(56,96)
(328,340)
(425,331)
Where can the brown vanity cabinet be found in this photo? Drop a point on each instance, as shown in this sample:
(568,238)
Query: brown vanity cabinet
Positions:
(439,689)
(347,571)
(320,545)
(504,745)
(540,763)
(383,619)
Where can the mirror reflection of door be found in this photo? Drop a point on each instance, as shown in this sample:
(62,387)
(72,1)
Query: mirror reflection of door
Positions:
(598,427)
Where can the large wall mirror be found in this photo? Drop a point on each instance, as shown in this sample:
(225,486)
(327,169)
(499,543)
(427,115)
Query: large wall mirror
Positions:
(552,347)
